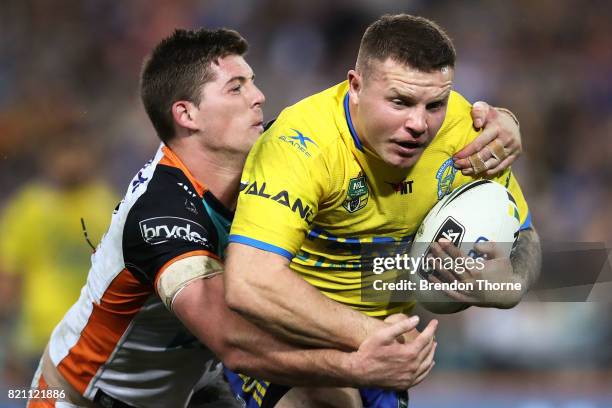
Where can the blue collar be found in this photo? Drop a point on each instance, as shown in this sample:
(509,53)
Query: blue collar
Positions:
(349,122)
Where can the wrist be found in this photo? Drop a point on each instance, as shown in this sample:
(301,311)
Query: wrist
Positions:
(369,326)
(353,369)
(511,296)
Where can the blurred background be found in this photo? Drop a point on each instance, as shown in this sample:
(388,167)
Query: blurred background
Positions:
(73,133)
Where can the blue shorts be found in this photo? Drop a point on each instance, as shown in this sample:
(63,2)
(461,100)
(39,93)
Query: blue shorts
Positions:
(262,394)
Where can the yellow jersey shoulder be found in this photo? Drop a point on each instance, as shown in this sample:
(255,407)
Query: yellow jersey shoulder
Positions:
(312,124)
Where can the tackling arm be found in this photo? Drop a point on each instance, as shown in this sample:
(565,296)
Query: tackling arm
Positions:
(496,148)
(261,286)
(381,361)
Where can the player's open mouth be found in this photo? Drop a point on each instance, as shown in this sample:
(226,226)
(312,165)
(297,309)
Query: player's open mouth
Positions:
(407,147)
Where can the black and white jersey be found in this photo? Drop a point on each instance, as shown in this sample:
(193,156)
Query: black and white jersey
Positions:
(119,336)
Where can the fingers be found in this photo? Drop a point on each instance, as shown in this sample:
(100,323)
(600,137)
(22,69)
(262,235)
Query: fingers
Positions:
(510,134)
(425,347)
(504,164)
(441,274)
(409,336)
(426,336)
(444,250)
(476,145)
(480,152)
(450,248)
(424,375)
(496,148)
(426,365)
(437,257)
(479,113)
(396,317)
(492,159)
(426,352)
(389,334)
(459,296)
(462,164)
(490,249)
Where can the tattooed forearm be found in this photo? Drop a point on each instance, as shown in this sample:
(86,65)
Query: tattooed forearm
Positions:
(526,257)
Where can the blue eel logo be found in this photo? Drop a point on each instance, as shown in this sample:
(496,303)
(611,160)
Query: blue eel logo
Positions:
(445,176)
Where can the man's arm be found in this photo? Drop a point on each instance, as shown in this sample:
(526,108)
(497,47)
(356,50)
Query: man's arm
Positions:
(496,148)
(522,267)
(527,258)
(261,286)
(381,361)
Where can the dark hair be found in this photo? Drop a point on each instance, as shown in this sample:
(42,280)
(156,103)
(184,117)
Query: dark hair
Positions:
(178,67)
(414,41)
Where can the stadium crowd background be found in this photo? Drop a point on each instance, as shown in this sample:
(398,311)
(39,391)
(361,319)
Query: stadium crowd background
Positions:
(69,83)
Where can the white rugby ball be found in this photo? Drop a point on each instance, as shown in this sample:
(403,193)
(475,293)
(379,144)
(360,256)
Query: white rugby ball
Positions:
(481,210)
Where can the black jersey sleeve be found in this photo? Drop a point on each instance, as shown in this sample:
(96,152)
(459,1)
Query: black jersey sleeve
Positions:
(168,220)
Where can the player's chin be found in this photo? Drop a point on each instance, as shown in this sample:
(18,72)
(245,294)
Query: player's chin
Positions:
(255,132)
(403,160)
(250,138)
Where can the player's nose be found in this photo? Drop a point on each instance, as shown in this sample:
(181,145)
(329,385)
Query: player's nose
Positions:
(416,122)
(258,97)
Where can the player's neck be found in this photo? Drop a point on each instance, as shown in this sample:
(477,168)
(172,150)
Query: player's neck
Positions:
(218,172)
(356,122)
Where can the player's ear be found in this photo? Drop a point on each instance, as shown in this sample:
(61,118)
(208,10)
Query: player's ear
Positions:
(184,113)
(355,81)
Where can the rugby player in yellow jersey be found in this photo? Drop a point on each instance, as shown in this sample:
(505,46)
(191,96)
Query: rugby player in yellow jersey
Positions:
(361,162)
(155,286)
(165,247)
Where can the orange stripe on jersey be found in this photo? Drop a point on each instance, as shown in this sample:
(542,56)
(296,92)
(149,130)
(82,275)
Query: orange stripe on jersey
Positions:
(200,252)
(108,321)
(172,160)
(41,403)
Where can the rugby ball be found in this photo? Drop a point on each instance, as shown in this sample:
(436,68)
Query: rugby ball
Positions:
(481,210)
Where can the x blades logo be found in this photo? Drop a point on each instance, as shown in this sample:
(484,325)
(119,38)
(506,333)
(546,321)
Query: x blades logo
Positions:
(299,141)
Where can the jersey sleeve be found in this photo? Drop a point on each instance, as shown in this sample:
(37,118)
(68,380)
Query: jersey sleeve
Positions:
(284,180)
(167,224)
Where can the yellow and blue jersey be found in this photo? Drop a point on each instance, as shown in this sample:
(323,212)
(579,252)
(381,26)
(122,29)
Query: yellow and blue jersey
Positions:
(311,192)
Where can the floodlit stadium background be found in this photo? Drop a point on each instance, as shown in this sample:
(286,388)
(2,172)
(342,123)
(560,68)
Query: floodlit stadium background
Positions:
(69,72)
